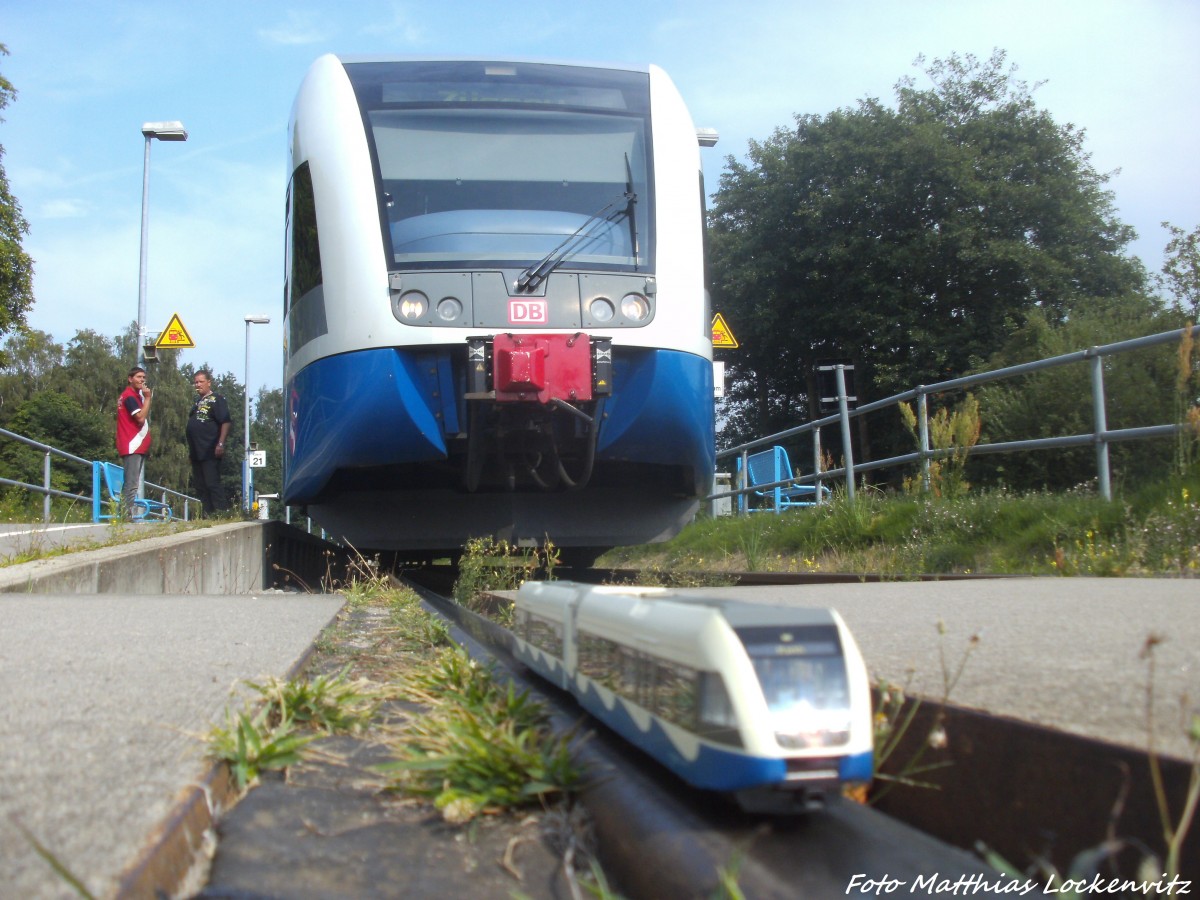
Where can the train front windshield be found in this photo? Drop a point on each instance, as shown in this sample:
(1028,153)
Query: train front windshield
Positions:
(499,164)
(803,676)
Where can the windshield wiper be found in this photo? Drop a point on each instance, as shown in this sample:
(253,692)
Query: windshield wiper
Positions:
(535,275)
(631,197)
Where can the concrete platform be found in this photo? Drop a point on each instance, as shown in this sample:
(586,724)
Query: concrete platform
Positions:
(107,698)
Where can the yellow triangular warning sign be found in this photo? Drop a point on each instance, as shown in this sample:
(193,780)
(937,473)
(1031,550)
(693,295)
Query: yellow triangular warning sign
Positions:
(721,335)
(174,335)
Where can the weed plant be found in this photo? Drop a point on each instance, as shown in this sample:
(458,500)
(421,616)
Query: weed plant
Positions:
(895,713)
(488,565)
(481,748)
(327,703)
(415,628)
(250,744)
(1175,824)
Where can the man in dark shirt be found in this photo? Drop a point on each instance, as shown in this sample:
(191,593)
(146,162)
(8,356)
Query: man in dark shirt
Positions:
(207,428)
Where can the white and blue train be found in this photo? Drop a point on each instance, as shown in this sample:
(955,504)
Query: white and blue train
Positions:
(769,704)
(496,319)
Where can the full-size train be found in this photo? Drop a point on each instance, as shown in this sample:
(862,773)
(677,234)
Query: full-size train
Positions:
(496,320)
(770,704)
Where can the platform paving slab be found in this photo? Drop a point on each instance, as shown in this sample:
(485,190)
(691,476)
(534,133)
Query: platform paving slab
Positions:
(106,700)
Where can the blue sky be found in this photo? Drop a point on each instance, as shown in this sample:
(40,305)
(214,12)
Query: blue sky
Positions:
(90,73)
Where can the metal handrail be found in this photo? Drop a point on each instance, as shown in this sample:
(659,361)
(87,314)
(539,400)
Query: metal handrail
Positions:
(1100,437)
(48,492)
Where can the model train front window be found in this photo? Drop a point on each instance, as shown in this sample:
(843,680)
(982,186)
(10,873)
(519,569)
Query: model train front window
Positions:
(499,166)
(803,676)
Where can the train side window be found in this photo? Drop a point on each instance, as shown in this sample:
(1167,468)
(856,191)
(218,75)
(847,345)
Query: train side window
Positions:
(598,661)
(304,299)
(545,635)
(677,687)
(717,721)
(304,249)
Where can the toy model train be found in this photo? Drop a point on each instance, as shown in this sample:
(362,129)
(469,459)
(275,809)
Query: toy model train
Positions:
(769,704)
(496,320)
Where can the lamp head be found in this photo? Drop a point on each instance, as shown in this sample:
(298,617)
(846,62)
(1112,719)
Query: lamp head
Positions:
(165,131)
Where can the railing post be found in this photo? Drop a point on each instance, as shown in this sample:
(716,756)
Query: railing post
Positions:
(743,481)
(1100,423)
(95,493)
(46,485)
(817,461)
(844,413)
(923,435)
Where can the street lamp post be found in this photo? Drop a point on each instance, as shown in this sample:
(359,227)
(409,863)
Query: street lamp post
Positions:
(164,131)
(247,480)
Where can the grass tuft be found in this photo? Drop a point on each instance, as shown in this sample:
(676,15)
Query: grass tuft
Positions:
(480,748)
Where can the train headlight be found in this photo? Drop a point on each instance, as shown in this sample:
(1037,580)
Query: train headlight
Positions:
(449,309)
(803,726)
(412,306)
(635,307)
(601,310)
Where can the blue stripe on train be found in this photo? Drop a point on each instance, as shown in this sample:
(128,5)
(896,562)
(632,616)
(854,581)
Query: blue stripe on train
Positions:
(385,406)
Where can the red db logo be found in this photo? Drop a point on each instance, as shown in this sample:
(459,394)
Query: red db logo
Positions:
(527,312)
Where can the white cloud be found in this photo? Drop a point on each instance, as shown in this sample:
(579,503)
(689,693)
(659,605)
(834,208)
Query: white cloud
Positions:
(64,208)
(301,28)
(401,28)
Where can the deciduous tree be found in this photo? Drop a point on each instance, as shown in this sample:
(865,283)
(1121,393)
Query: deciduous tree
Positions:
(1181,271)
(16,267)
(910,239)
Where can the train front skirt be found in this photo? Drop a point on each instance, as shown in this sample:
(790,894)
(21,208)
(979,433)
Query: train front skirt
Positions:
(377,442)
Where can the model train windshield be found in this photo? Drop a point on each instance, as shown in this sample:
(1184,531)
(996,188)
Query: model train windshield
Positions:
(499,164)
(803,676)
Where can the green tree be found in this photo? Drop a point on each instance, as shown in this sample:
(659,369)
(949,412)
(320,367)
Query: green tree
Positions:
(94,374)
(1138,387)
(1181,271)
(67,397)
(16,268)
(59,421)
(30,362)
(909,240)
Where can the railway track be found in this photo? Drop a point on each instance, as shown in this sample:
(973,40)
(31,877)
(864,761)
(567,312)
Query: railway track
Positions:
(663,839)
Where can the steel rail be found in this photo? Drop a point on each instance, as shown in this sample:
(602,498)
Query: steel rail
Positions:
(660,838)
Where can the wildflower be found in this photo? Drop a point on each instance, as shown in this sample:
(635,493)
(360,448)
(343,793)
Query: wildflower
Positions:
(938,739)
(460,810)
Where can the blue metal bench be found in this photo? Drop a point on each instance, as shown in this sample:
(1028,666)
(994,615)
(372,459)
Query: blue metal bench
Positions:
(770,467)
(111,477)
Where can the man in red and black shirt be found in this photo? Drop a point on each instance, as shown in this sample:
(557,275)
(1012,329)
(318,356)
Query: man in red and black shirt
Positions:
(133,434)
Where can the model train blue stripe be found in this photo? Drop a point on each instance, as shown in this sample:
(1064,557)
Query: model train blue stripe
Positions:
(714,768)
